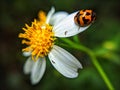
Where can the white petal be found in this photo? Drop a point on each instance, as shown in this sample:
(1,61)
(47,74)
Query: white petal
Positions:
(26,54)
(57,17)
(67,27)
(64,62)
(49,15)
(38,70)
(28,66)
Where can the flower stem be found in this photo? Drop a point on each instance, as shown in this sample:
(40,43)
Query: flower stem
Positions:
(93,59)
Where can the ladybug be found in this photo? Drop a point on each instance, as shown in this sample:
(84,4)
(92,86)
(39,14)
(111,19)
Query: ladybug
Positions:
(84,17)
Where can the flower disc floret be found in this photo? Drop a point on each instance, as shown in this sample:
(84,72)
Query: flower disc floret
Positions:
(38,37)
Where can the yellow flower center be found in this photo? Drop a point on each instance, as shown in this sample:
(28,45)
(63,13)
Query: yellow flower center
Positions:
(38,37)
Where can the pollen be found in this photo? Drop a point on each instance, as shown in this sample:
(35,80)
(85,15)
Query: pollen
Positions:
(38,37)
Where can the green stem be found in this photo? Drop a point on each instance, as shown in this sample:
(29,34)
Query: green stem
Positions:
(94,61)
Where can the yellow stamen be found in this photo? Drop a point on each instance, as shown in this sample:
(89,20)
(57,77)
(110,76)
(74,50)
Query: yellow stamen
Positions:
(38,37)
(42,16)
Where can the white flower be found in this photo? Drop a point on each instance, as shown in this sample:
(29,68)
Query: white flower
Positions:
(38,47)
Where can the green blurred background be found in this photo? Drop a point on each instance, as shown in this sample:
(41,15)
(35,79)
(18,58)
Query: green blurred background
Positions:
(103,37)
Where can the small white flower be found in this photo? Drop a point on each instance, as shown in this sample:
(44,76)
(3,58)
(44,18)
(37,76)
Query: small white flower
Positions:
(40,43)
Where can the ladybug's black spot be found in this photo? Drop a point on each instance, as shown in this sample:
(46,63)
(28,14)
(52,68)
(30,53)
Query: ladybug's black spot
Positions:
(77,16)
(87,13)
(93,17)
(84,10)
(85,20)
(78,21)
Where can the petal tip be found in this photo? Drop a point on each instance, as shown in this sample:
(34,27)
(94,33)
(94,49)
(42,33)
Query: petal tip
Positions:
(73,75)
(28,66)
(38,71)
(80,66)
(33,82)
(26,54)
